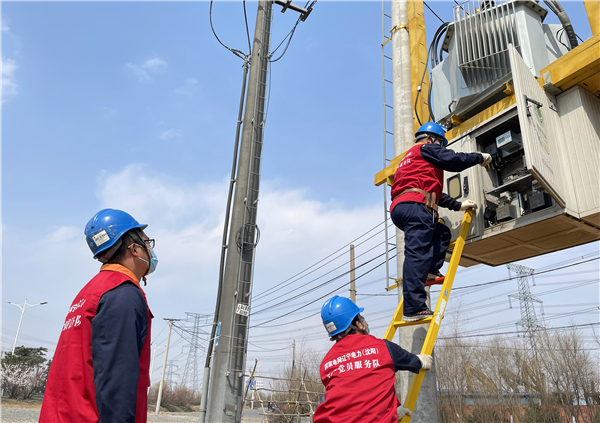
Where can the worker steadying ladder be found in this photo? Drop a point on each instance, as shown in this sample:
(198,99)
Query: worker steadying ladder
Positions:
(359,370)
(416,195)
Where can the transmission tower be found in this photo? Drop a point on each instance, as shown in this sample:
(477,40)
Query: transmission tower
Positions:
(528,321)
(171,367)
(190,373)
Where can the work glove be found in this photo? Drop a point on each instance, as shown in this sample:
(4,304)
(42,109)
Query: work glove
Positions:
(403,412)
(487,159)
(426,361)
(468,204)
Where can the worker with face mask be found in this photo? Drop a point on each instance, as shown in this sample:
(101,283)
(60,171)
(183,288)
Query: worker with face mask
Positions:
(100,370)
(359,370)
(416,196)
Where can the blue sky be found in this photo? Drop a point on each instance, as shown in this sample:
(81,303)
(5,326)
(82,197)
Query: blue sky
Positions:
(134,105)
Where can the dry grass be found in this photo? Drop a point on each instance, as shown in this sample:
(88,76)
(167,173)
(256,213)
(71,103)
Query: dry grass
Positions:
(21,403)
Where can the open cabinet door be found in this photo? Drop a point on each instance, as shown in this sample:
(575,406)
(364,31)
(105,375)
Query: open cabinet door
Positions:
(539,128)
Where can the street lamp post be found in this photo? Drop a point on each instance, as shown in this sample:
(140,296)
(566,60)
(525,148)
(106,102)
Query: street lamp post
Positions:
(23,308)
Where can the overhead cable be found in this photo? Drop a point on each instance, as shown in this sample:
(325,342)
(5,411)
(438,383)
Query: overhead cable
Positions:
(247,29)
(238,53)
(301,294)
(321,297)
(323,275)
(281,285)
(433,12)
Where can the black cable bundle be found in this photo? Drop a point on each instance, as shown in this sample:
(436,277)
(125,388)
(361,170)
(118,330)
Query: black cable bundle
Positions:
(435,59)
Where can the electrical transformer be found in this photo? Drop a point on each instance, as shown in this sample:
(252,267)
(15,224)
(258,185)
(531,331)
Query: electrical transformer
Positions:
(542,190)
(473,75)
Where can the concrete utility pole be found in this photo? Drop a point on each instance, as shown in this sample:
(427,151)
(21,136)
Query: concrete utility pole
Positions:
(23,308)
(226,389)
(411,337)
(352,276)
(293,357)
(162,376)
(224,378)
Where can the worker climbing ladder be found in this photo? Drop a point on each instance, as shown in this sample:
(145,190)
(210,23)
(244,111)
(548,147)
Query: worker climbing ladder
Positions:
(434,321)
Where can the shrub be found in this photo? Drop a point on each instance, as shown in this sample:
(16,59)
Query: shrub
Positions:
(177,398)
(25,372)
(537,413)
(485,415)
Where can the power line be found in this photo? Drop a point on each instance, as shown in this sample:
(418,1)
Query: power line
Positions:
(238,53)
(318,286)
(247,29)
(479,306)
(535,273)
(291,33)
(517,332)
(433,12)
(316,279)
(280,285)
(320,298)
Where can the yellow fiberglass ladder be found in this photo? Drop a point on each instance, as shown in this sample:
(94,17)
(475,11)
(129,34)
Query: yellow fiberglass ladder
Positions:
(435,320)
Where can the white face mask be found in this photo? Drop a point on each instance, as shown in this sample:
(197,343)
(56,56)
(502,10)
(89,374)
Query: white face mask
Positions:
(153,259)
(153,262)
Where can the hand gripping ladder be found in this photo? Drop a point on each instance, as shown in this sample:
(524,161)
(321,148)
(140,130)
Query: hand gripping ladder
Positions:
(435,320)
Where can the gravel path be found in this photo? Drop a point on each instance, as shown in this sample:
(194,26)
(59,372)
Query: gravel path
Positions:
(32,415)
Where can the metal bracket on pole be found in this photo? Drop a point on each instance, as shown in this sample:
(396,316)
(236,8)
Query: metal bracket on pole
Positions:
(287,4)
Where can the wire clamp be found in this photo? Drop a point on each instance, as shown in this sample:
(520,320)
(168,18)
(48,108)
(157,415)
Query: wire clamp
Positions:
(394,29)
(398,27)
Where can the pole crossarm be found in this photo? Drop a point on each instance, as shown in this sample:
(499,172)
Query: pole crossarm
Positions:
(434,321)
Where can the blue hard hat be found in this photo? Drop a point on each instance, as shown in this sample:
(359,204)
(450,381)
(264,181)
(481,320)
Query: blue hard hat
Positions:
(337,314)
(106,227)
(432,128)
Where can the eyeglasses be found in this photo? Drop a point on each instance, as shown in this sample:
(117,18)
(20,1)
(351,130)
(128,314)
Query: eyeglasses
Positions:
(150,242)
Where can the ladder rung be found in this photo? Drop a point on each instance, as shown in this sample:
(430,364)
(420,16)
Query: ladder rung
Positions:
(402,323)
(387,80)
(388,132)
(387,57)
(387,105)
(386,15)
(437,281)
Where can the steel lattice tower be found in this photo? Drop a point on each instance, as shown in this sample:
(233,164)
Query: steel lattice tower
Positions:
(526,299)
(171,366)
(190,373)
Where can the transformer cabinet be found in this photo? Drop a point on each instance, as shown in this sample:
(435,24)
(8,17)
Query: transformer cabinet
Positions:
(542,191)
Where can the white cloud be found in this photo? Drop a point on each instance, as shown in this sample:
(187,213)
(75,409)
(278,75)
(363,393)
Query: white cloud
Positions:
(62,234)
(135,70)
(108,113)
(142,72)
(155,64)
(9,85)
(5,27)
(187,221)
(189,86)
(171,133)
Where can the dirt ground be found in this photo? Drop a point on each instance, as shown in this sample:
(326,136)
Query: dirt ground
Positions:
(28,411)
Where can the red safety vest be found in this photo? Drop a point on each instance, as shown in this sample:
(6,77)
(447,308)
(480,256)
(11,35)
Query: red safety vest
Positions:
(358,374)
(415,172)
(70,393)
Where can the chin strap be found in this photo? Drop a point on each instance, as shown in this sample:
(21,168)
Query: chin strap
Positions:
(105,258)
(342,335)
(144,279)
